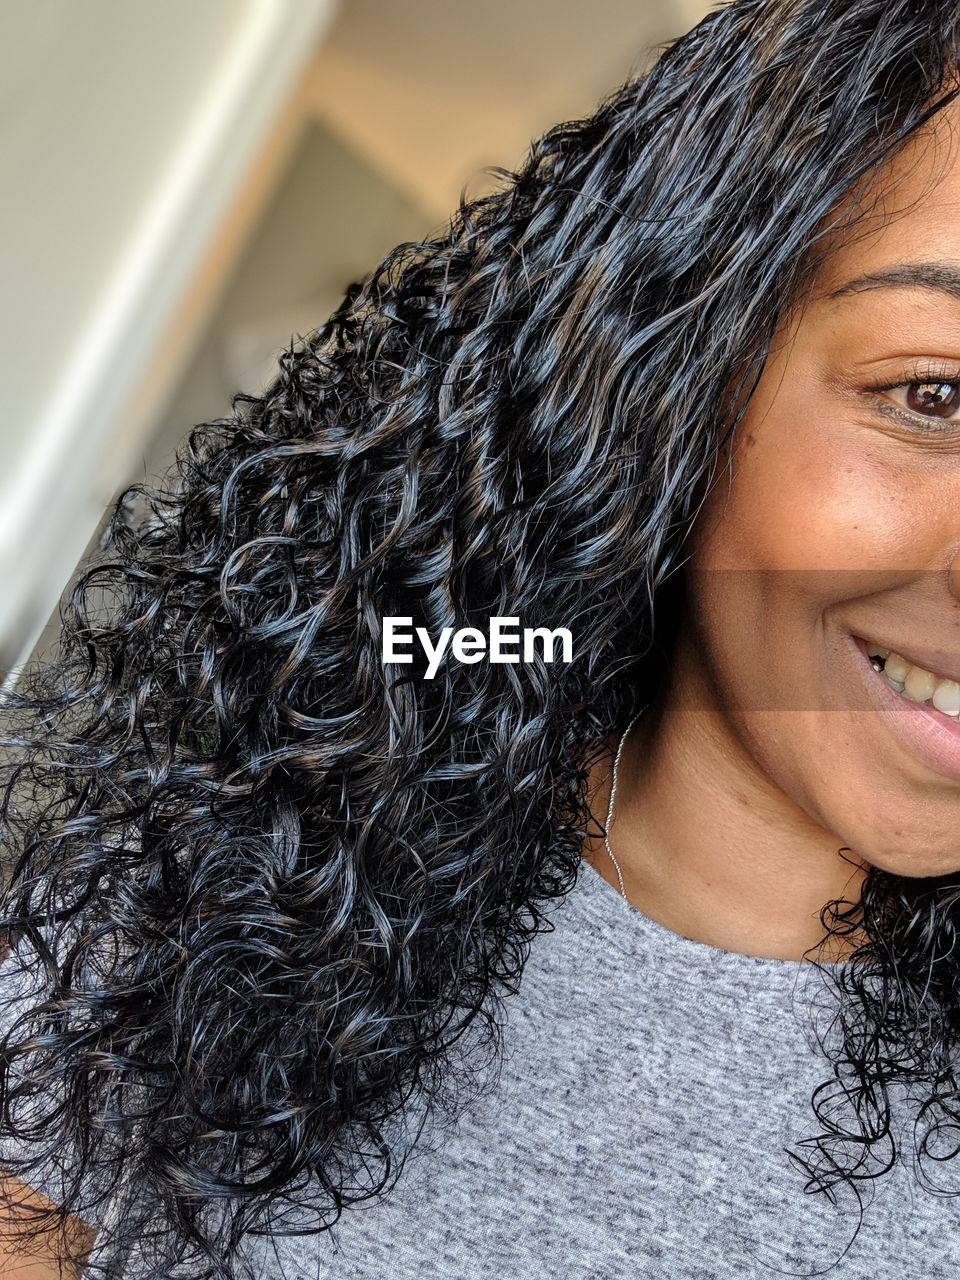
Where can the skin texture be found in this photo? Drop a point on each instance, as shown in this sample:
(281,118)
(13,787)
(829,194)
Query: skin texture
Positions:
(840,518)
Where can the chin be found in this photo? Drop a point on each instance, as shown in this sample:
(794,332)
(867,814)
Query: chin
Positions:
(921,865)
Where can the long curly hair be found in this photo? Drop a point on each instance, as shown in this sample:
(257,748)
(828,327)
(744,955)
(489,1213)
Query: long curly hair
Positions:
(272,891)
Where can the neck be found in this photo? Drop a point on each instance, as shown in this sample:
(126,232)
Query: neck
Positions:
(709,846)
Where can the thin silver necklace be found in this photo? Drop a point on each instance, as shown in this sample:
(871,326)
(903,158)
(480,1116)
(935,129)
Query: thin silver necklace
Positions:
(613,796)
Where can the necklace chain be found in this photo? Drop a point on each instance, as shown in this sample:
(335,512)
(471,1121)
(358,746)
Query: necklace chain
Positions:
(613,796)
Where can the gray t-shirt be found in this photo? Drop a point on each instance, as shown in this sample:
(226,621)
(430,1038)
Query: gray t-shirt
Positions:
(637,1129)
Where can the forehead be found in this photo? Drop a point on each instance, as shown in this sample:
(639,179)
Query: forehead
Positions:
(912,214)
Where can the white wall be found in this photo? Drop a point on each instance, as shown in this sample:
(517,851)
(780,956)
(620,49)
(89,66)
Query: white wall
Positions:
(431,91)
(128,127)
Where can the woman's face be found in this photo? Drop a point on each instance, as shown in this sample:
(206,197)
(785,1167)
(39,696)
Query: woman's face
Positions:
(842,526)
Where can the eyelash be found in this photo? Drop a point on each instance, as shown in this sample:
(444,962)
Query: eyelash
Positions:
(918,376)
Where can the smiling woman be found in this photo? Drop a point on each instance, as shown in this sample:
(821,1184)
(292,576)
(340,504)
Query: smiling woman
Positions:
(688,387)
(838,530)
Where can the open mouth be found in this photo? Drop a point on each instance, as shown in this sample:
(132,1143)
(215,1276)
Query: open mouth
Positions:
(916,684)
(905,707)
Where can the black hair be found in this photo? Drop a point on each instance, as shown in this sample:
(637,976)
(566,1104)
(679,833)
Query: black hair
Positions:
(277,890)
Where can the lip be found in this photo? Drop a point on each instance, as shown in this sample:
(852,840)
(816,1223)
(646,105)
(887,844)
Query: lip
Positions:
(929,735)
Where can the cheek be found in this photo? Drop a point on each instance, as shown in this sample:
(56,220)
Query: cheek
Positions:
(824,497)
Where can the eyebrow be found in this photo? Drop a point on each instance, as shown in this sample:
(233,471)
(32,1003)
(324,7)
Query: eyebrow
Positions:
(941,276)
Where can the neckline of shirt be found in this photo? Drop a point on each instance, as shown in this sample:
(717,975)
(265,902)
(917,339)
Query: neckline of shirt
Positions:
(634,933)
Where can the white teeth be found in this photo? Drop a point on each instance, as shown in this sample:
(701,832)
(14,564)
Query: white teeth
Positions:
(896,668)
(946,697)
(917,684)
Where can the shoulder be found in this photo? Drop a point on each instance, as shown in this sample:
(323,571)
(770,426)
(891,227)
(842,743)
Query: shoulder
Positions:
(37,1257)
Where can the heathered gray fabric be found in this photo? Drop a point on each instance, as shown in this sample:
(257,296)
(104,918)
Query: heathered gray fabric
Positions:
(637,1130)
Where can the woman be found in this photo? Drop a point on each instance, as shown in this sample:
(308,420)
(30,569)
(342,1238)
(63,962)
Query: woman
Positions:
(589,967)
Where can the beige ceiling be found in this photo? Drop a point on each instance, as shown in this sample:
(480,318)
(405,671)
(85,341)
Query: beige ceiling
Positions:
(431,91)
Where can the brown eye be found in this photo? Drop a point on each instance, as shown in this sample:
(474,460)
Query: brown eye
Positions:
(934,399)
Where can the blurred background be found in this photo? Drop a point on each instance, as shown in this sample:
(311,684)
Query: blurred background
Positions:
(187,185)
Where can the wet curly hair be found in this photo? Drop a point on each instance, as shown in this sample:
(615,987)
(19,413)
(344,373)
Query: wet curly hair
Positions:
(272,891)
